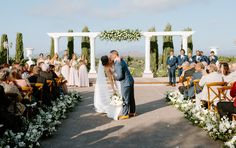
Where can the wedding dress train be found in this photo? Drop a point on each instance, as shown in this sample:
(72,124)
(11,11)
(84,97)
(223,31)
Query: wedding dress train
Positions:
(102,95)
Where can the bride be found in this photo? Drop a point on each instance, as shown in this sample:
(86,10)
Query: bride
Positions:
(105,88)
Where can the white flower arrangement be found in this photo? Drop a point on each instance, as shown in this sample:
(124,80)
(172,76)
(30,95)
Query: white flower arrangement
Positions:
(44,124)
(121,35)
(116,100)
(217,128)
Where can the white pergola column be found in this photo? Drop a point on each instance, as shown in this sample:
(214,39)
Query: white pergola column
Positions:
(185,43)
(56,44)
(147,71)
(92,72)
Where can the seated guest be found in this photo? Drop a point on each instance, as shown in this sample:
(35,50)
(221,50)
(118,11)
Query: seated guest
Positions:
(181,59)
(224,69)
(35,77)
(46,72)
(25,71)
(196,75)
(228,108)
(197,58)
(213,76)
(188,72)
(232,76)
(212,58)
(16,78)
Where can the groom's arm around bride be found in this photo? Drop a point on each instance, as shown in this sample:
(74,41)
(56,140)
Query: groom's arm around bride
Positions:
(123,75)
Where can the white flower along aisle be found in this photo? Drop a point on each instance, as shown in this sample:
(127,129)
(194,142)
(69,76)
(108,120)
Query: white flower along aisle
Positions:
(43,124)
(217,128)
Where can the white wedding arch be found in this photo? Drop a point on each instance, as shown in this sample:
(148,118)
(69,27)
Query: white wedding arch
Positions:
(92,36)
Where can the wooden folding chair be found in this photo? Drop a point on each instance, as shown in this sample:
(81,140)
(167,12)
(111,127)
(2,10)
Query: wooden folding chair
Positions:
(27,92)
(222,91)
(216,94)
(49,82)
(187,82)
(196,86)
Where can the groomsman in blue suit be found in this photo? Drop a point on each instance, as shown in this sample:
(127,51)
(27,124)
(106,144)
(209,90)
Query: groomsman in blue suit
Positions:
(197,58)
(212,58)
(172,62)
(190,58)
(204,57)
(181,59)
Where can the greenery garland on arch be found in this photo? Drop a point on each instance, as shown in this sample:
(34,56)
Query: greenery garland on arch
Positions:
(121,35)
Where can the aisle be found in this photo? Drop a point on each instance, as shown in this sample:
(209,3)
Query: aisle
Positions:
(158,125)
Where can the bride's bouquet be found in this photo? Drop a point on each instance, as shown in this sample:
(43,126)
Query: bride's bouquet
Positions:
(116,100)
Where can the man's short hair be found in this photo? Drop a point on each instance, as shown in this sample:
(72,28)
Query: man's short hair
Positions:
(114,52)
(182,50)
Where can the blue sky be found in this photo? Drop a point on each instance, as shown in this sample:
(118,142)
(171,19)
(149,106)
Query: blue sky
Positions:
(213,20)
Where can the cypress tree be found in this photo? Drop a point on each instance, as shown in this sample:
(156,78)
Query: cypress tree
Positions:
(52,48)
(85,45)
(19,47)
(190,41)
(3,51)
(167,45)
(70,45)
(154,51)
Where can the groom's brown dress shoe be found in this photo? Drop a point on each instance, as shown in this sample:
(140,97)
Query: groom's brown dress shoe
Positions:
(132,114)
(123,117)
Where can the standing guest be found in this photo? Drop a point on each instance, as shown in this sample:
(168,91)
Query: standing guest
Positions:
(204,57)
(171,63)
(65,69)
(190,58)
(213,76)
(197,58)
(74,76)
(48,60)
(181,59)
(40,59)
(83,73)
(228,108)
(212,58)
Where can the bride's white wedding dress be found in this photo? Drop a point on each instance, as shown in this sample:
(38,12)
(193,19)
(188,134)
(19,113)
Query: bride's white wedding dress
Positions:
(102,96)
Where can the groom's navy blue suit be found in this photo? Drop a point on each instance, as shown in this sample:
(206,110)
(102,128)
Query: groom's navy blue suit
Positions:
(123,75)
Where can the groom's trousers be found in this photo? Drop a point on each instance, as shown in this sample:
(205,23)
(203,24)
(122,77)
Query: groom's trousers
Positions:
(128,100)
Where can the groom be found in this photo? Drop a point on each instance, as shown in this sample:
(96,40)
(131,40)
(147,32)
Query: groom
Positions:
(123,75)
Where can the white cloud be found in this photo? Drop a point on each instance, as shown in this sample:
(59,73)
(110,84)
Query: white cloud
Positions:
(118,9)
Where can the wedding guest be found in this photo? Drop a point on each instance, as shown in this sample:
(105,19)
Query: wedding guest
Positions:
(74,76)
(40,59)
(171,63)
(48,60)
(213,76)
(196,75)
(190,58)
(232,76)
(25,71)
(181,59)
(15,77)
(212,58)
(197,58)
(224,70)
(228,108)
(83,73)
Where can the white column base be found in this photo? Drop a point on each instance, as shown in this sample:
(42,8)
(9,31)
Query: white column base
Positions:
(148,74)
(92,74)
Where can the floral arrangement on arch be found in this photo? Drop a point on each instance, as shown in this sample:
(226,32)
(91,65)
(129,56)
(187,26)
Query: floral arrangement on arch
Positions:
(121,35)
(210,121)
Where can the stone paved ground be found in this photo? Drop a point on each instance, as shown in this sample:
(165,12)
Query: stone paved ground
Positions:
(158,125)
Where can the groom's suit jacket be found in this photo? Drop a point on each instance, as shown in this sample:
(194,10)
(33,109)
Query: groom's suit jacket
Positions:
(122,73)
